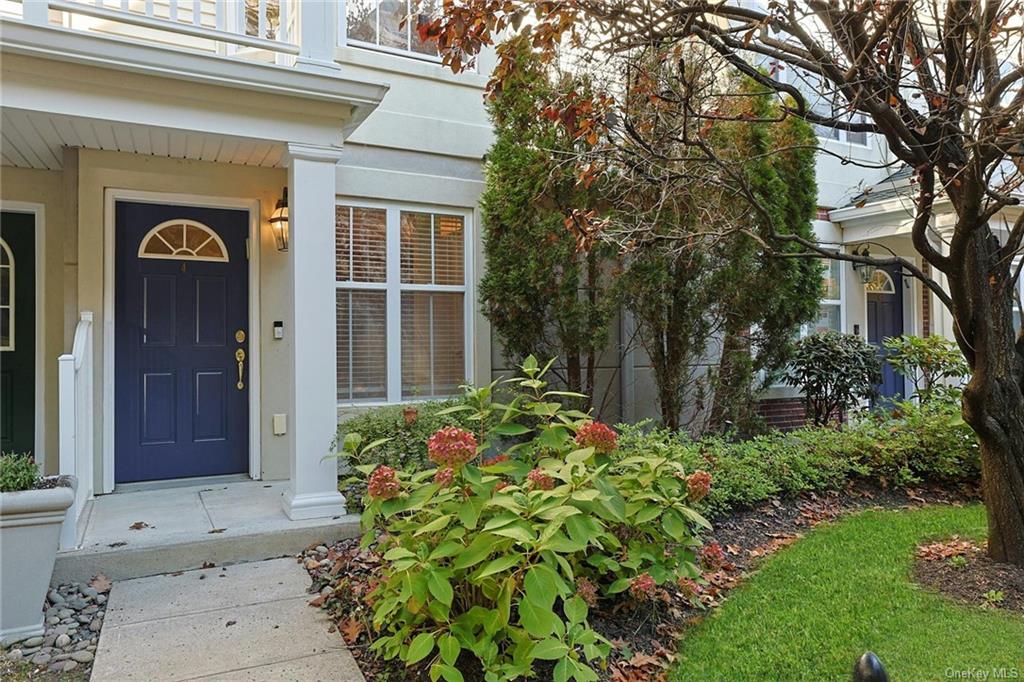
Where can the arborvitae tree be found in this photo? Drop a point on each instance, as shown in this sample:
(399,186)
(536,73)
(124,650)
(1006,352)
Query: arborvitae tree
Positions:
(765,298)
(543,296)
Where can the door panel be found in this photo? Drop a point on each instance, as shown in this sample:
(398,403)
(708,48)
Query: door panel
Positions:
(182,410)
(158,311)
(17,332)
(210,416)
(211,312)
(159,397)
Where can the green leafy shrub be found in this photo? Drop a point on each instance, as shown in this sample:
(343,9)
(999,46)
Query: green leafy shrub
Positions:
(912,444)
(834,372)
(919,442)
(17,472)
(752,471)
(495,559)
(929,362)
(406,437)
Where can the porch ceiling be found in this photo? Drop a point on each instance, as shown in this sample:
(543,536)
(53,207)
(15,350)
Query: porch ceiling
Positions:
(30,139)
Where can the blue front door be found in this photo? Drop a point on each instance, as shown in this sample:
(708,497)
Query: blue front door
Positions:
(181,299)
(885,320)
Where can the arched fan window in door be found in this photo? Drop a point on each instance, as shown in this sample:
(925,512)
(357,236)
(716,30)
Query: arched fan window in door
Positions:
(182,239)
(880,283)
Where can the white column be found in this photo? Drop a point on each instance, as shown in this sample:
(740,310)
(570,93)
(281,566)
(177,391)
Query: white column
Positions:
(35,11)
(318,35)
(313,486)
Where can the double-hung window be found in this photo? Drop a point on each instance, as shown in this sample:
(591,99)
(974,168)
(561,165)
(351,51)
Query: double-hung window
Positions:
(403,305)
(830,316)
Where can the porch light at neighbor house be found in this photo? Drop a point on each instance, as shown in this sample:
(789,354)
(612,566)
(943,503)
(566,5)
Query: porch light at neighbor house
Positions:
(279,221)
(866,270)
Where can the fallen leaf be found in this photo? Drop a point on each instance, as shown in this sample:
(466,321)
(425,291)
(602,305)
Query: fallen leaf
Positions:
(139,525)
(230,623)
(217,530)
(350,630)
(100,583)
(208,564)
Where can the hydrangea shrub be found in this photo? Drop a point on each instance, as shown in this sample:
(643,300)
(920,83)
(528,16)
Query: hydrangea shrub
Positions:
(498,558)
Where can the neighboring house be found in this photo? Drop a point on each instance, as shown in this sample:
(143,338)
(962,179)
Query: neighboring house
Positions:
(146,145)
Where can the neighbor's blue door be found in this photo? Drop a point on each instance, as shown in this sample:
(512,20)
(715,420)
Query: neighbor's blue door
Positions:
(885,319)
(181,323)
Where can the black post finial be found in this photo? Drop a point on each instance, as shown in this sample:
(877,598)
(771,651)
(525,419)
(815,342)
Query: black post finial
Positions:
(869,669)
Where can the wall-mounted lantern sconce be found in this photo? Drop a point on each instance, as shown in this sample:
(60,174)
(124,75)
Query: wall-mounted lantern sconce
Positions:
(279,221)
(865,270)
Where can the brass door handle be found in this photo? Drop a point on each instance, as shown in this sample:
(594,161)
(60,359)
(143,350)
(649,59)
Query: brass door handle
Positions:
(240,357)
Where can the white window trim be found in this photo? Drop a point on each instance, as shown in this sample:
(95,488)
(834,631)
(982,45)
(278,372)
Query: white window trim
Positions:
(840,302)
(394,288)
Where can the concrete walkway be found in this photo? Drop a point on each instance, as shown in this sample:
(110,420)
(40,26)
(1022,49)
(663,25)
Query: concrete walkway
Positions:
(244,622)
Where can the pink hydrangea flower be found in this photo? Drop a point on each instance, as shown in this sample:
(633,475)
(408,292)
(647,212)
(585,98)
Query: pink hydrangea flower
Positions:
(642,587)
(451,447)
(540,480)
(698,485)
(599,436)
(712,556)
(586,591)
(444,477)
(689,587)
(383,484)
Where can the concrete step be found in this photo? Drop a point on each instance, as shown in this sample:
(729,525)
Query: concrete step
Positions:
(151,531)
(127,562)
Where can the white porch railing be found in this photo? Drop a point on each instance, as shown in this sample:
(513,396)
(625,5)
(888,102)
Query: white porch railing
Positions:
(75,395)
(235,27)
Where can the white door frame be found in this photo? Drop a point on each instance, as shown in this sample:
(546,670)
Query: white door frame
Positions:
(38,211)
(252,206)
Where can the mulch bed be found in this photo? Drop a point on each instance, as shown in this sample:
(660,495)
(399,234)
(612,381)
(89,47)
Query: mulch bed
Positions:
(959,569)
(643,635)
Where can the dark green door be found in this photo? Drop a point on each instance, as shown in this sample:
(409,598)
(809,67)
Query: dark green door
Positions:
(17,331)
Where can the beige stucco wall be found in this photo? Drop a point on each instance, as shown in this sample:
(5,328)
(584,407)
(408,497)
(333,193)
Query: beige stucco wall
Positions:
(45,188)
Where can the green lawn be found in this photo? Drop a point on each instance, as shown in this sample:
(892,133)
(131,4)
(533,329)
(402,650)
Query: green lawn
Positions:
(814,608)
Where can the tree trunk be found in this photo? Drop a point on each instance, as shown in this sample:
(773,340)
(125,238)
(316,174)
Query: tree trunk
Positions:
(993,400)
(730,405)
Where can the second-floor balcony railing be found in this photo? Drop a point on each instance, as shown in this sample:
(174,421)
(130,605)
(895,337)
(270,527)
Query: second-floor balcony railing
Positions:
(263,30)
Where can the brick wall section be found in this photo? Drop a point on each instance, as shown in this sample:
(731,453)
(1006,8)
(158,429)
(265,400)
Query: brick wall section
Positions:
(926,305)
(784,414)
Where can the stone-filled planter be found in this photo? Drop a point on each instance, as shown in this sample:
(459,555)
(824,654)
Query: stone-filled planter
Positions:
(30,523)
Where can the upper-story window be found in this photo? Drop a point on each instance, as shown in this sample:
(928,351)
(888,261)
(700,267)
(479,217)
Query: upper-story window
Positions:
(390,25)
(824,101)
(850,136)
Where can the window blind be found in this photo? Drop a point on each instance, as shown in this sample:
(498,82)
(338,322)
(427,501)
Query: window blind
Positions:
(362,338)
(433,343)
